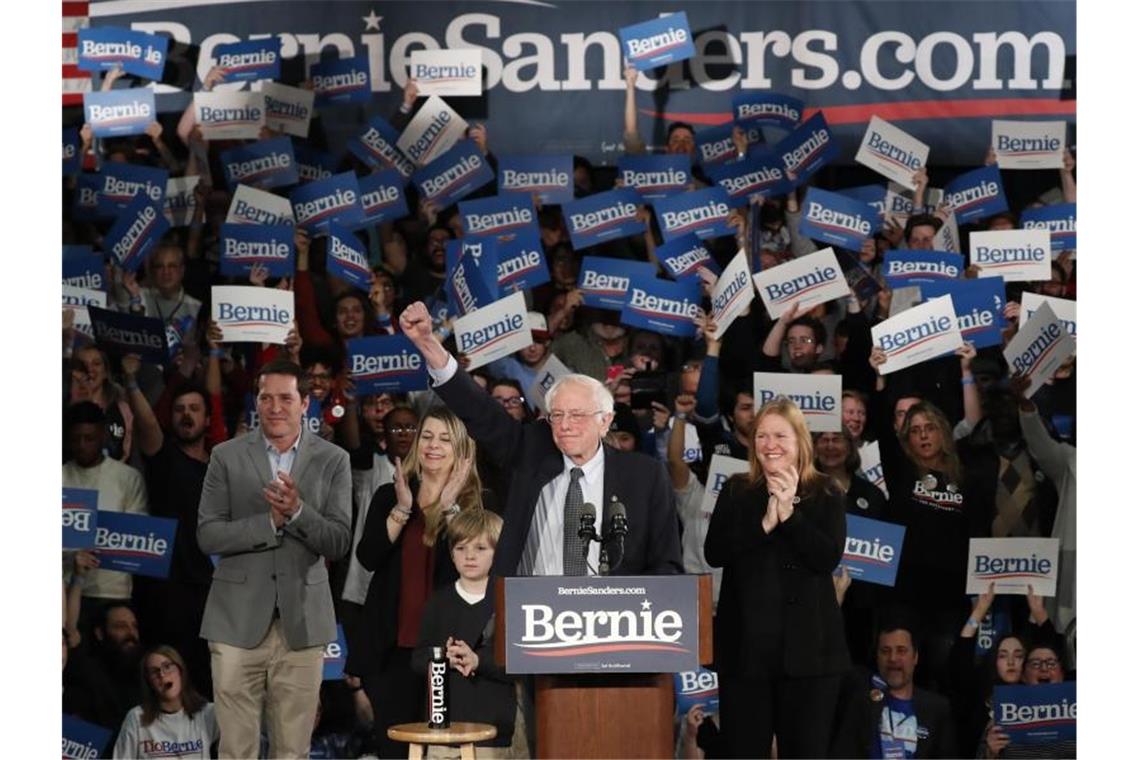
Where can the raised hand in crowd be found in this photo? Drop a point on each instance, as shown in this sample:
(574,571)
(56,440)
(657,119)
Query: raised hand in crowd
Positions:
(411,92)
(660,415)
(478,133)
(258,274)
(991,156)
(978,613)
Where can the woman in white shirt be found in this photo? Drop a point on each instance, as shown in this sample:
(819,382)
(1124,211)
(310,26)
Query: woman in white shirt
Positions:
(173,720)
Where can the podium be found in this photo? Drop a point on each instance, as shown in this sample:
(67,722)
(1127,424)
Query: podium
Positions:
(603,675)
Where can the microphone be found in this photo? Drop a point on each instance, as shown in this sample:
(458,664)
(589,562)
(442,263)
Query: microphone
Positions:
(618,528)
(586,530)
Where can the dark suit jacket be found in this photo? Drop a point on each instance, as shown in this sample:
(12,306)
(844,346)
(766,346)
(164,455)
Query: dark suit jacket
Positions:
(860,716)
(528,453)
(777,605)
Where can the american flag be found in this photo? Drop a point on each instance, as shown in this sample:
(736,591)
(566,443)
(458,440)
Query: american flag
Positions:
(75,82)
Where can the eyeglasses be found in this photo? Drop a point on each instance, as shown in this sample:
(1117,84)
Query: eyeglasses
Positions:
(161,670)
(512,401)
(799,341)
(576,417)
(1042,664)
(397,429)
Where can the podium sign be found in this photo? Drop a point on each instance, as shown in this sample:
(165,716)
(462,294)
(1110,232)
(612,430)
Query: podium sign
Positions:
(602,624)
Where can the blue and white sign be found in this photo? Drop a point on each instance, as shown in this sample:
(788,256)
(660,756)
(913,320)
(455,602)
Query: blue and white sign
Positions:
(136,544)
(287,109)
(494,331)
(502,216)
(87,206)
(731,294)
(551,178)
(77,300)
(134,234)
(657,42)
(80,516)
(342,80)
(263,164)
(1012,565)
(892,152)
(714,145)
(434,129)
(761,173)
(244,245)
(871,466)
(72,161)
(83,740)
(696,687)
(123,182)
(920,333)
(119,112)
(903,267)
(1014,255)
(467,283)
(1039,348)
(767,109)
(979,304)
(873,195)
(1029,144)
(120,334)
(1039,714)
(447,72)
(109,47)
(252,206)
(1063,309)
(1059,219)
(249,61)
(313,165)
(655,176)
(603,216)
(663,306)
(83,268)
(348,257)
(683,256)
(819,397)
(838,220)
(230,115)
(454,175)
(334,656)
(376,147)
(180,203)
(703,213)
(809,280)
(873,550)
(484,251)
(336,199)
(721,468)
(386,364)
(604,282)
(521,263)
(807,149)
(382,197)
(976,194)
(249,314)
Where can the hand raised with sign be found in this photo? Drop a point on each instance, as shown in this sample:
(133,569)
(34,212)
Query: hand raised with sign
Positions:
(214,76)
(878,359)
(110,77)
(84,562)
(1037,611)
(966,353)
(991,156)
(131,364)
(740,140)
(478,133)
(293,343)
(630,77)
(258,274)
(1012,311)
(411,92)
(996,740)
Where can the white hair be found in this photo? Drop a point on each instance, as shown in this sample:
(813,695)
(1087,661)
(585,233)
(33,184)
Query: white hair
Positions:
(602,396)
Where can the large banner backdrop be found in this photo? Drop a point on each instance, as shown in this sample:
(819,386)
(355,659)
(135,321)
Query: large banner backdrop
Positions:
(553,70)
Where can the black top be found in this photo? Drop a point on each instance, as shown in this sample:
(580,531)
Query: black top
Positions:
(174,485)
(777,605)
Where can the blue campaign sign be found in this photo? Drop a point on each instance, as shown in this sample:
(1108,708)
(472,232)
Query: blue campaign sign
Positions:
(760,173)
(604,282)
(348,258)
(72,161)
(1060,220)
(136,544)
(603,216)
(1037,714)
(336,199)
(663,306)
(244,245)
(655,176)
(976,194)
(696,687)
(979,305)
(263,164)
(873,195)
(903,267)
(87,205)
(119,112)
(460,171)
(521,263)
(382,197)
(123,182)
(80,517)
(484,251)
(992,627)
(109,47)
(247,61)
(551,178)
(176,331)
(808,148)
(83,268)
(501,216)
(703,213)
(714,145)
(468,287)
(334,656)
(838,220)
(767,109)
(134,234)
(376,147)
(658,42)
(683,256)
(873,549)
(120,334)
(83,740)
(313,165)
(343,80)
(386,364)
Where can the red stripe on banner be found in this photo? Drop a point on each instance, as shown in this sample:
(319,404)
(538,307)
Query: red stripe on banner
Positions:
(75,8)
(908,110)
(70,39)
(73,98)
(74,72)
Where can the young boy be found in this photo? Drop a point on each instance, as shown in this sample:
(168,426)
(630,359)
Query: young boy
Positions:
(459,619)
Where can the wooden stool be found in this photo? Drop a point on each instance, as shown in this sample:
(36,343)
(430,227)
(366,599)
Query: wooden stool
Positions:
(463,734)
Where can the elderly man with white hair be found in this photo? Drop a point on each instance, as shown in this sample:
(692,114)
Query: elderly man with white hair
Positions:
(556,468)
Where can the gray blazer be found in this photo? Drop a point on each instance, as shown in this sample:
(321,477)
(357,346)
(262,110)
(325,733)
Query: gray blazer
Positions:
(258,570)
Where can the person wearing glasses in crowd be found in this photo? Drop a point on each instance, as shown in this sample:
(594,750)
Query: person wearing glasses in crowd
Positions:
(173,720)
(509,393)
(1044,664)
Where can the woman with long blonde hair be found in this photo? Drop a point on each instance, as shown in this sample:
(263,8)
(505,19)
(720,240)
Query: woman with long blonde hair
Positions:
(404,545)
(778,532)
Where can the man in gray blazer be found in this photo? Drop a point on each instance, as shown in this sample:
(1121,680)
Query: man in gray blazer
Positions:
(275,505)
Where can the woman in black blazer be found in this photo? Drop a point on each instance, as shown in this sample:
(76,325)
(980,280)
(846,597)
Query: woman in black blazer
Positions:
(404,543)
(778,532)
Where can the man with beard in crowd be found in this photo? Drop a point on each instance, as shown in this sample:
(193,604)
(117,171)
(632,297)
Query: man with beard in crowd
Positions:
(101,680)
